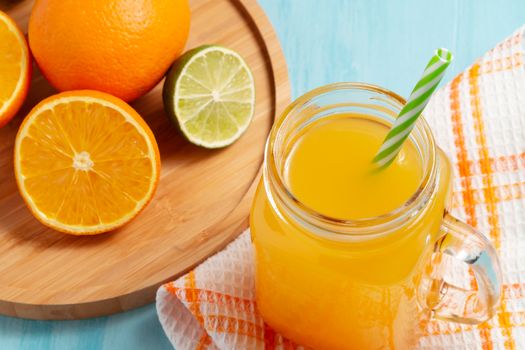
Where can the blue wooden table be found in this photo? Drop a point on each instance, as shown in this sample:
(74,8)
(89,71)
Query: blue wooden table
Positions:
(381,42)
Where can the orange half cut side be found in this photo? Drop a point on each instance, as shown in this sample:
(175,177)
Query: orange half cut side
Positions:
(15,68)
(85,162)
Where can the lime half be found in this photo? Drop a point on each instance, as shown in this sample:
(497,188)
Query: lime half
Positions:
(209,93)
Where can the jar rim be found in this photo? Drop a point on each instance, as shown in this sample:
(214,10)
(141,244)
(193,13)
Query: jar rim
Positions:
(331,226)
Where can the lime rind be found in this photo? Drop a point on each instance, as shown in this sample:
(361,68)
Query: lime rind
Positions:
(210,95)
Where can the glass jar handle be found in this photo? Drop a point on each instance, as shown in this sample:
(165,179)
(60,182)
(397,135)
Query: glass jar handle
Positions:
(463,282)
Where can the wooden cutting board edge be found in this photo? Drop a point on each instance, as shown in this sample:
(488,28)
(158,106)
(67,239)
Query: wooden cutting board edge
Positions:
(235,222)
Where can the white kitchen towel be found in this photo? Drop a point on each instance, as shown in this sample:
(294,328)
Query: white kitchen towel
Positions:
(478,119)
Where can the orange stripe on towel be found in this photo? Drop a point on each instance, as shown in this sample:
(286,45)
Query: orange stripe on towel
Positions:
(507,163)
(489,193)
(501,64)
(502,193)
(204,342)
(463,162)
(233,325)
(192,296)
(196,295)
(465,174)
(195,308)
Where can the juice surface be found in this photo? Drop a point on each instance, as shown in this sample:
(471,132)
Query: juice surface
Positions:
(330,170)
(359,294)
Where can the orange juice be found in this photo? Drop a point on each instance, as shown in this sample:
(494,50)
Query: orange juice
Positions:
(329,169)
(328,289)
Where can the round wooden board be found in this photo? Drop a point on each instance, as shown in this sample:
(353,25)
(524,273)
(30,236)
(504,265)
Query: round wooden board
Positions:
(201,204)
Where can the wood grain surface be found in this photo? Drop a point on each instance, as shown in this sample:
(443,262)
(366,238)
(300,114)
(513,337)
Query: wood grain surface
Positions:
(202,201)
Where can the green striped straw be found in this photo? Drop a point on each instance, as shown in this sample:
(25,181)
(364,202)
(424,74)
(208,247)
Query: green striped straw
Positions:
(406,120)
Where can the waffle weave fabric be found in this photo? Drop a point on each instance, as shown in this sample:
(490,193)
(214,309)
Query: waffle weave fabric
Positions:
(478,119)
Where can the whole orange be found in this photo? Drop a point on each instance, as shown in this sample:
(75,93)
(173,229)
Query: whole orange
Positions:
(122,47)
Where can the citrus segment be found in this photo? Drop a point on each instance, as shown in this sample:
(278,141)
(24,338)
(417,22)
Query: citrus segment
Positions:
(210,94)
(15,69)
(85,162)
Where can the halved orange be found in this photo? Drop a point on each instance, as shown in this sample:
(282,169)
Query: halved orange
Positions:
(85,162)
(15,68)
